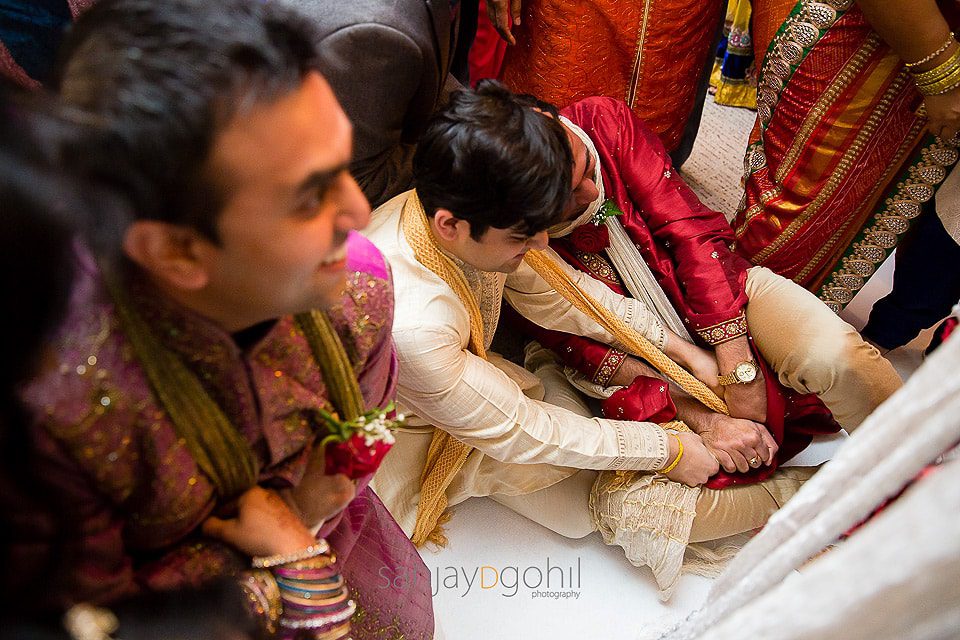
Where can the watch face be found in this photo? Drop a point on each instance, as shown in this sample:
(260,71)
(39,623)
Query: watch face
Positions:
(745,372)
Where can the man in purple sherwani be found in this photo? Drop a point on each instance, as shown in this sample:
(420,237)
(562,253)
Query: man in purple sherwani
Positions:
(211,119)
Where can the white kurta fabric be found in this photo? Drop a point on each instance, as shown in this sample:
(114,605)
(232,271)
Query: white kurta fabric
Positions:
(536,300)
(522,444)
(898,576)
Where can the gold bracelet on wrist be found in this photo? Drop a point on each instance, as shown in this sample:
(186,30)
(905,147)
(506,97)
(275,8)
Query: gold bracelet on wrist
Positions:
(939,71)
(947,89)
(676,460)
(949,76)
(263,597)
(950,40)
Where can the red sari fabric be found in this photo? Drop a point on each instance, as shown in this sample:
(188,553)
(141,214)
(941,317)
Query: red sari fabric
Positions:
(685,244)
(766,19)
(11,71)
(834,170)
(488,49)
(649,54)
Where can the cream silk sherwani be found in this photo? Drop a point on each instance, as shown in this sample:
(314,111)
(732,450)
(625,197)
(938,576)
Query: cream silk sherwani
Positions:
(521,445)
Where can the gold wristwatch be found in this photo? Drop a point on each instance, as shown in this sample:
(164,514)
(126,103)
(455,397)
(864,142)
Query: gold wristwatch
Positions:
(743,373)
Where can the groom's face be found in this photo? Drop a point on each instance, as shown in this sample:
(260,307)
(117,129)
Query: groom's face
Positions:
(585,189)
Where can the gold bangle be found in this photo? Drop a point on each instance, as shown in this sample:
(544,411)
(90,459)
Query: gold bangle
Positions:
(938,71)
(933,55)
(263,595)
(947,76)
(676,460)
(941,86)
(945,89)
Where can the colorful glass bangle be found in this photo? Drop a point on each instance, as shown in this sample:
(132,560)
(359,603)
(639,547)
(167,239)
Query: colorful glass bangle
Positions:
(315,622)
(328,574)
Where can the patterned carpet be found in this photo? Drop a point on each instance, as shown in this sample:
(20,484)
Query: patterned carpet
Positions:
(715,166)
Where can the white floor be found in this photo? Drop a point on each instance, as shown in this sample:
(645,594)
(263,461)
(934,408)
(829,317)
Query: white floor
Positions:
(502,576)
(490,547)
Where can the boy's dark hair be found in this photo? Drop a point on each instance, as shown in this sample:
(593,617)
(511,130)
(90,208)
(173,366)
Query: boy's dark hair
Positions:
(494,159)
(159,79)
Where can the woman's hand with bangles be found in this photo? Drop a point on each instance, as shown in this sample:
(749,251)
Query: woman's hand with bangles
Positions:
(264,526)
(943,115)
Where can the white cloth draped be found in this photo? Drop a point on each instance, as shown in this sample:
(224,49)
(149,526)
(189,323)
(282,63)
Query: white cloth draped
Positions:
(897,577)
(623,253)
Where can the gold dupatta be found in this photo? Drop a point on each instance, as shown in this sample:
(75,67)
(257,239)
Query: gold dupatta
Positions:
(329,354)
(446,455)
(213,440)
(629,337)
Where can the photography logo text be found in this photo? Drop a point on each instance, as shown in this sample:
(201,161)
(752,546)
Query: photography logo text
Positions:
(549,580)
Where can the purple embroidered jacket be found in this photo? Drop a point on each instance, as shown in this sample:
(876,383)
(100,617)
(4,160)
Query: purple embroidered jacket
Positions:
(104,439)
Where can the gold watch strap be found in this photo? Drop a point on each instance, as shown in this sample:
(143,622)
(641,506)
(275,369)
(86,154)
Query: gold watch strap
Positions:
(727,379)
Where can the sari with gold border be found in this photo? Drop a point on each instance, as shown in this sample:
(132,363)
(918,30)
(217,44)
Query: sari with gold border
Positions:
(838,162)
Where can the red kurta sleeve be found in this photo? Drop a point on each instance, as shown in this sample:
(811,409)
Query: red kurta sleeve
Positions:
(645,399)
(686,244)
(596,361)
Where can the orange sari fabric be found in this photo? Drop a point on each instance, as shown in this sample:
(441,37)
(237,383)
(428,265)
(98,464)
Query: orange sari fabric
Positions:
(650,54)
(767,17)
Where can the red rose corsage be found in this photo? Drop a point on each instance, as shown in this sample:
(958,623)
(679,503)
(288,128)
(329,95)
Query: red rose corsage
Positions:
(593,237)
(356,448)
(590,238)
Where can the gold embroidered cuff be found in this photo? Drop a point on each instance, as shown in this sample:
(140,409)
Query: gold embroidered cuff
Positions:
(608,367)
(725,331)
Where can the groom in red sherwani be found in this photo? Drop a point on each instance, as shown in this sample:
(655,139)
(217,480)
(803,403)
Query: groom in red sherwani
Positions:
(786,366)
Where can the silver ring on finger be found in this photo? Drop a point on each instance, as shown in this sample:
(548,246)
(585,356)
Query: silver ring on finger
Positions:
(754,462)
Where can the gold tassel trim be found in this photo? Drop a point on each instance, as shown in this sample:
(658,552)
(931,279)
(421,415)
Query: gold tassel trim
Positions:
(446,455)
(635,343)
